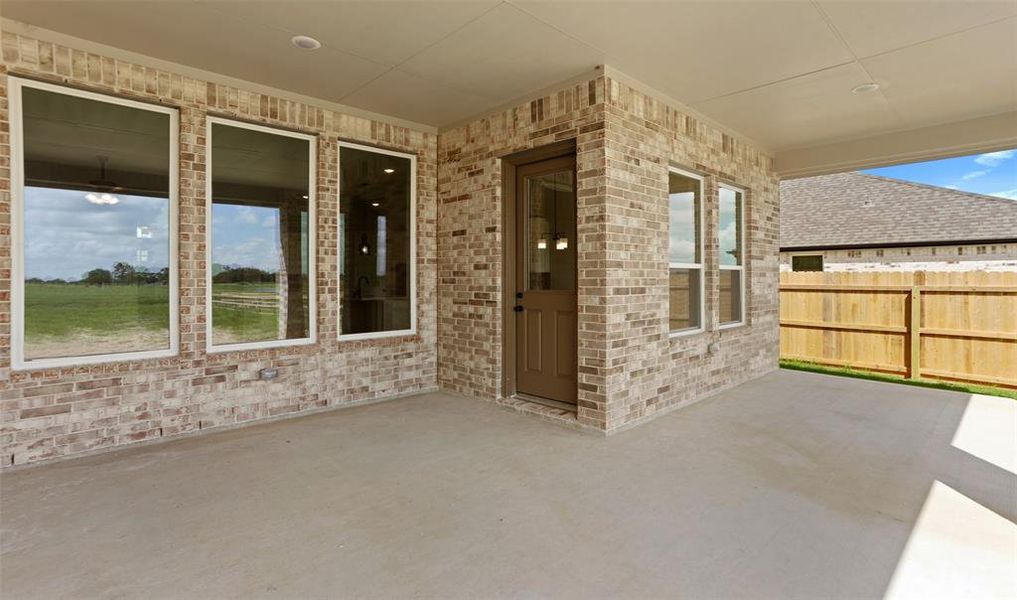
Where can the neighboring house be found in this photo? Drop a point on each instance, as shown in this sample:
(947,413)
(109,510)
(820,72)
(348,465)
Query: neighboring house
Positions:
(859,222)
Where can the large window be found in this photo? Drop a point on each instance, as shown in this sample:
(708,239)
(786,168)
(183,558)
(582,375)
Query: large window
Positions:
(93,227)
(731,236)
(377,279)
(261,225)
(685,254)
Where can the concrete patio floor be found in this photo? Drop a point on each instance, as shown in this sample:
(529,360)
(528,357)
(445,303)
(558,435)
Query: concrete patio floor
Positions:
(795,485)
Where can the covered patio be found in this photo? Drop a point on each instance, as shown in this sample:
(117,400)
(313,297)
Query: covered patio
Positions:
(792,485)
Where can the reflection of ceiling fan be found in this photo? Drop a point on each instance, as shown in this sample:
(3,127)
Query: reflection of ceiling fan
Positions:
(103,197)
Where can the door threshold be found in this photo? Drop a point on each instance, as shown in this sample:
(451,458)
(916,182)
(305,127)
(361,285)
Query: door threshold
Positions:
(545,401)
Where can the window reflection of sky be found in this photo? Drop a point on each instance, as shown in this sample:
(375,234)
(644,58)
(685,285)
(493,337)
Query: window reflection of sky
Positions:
(683,227)
(66,235)
(246,236)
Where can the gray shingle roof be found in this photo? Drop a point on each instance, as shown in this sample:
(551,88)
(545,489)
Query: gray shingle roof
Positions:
(856,209)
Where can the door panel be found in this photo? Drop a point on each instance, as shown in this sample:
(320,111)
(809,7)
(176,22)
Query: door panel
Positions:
(546,276)
(532,341)
(565,341)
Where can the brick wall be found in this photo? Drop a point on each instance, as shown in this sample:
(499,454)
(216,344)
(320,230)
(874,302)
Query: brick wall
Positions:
(50,413)
(629,367)
(648,370)
(470,248)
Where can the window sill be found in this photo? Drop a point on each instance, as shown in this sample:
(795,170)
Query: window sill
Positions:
(244,347)
(87,361)
(685,333)
(381,335)
(734,325)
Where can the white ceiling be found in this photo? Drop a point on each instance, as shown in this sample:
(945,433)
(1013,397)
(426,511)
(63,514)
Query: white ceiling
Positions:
(780,73)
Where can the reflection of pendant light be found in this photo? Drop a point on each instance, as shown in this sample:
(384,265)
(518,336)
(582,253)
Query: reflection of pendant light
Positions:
(541,244)
(103,199)
(365,248)
(560,242)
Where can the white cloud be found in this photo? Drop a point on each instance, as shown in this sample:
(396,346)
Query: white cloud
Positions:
(66,235)
(992,159)
(973,175)
(1008,194)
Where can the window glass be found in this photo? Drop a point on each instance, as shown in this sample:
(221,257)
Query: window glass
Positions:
(730,296)
(376,223)
(685,309)
(807,263)
(96,232)
(731,223)
(730,227)
(260,239)
(685,204)
(685,279)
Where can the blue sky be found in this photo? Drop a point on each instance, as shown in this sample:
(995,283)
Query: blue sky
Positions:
(246,236)
(67,235)
(993,174)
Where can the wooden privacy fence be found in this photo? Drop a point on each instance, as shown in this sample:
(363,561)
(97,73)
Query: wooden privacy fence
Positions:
(954,326)
(261,303)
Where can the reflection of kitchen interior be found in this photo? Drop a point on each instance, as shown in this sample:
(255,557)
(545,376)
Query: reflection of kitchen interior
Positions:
(374,219)
(551,222)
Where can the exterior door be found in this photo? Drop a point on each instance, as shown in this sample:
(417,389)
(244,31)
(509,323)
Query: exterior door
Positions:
(545,310)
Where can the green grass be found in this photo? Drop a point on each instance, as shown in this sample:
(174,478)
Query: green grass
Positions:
(245,325)
(797,365)
(59,310)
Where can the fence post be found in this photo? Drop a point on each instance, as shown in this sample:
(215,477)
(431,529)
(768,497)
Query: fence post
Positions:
(915,333)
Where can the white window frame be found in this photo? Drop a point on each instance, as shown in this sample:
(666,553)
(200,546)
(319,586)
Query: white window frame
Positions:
(312,233)
(702,256)
(18,362)
(413,246)
(744,257)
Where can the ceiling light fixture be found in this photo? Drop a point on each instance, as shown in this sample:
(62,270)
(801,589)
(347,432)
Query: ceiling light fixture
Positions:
(390,170)
(102,199)
(376,204)
(305,42)
(865,88)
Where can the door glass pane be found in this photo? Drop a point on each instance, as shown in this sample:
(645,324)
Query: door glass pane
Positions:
(551,231)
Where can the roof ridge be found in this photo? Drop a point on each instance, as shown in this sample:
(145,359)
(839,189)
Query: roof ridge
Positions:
(929,186)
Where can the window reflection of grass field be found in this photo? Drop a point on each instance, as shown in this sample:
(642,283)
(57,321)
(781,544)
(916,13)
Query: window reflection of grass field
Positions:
(244,312)
(59,310)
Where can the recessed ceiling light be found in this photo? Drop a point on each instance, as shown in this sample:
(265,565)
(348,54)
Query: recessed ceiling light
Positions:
(305,42)
(865,88)
(390,170)
(376,204)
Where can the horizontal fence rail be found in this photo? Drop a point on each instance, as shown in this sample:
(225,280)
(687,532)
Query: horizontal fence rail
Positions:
(953,326)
